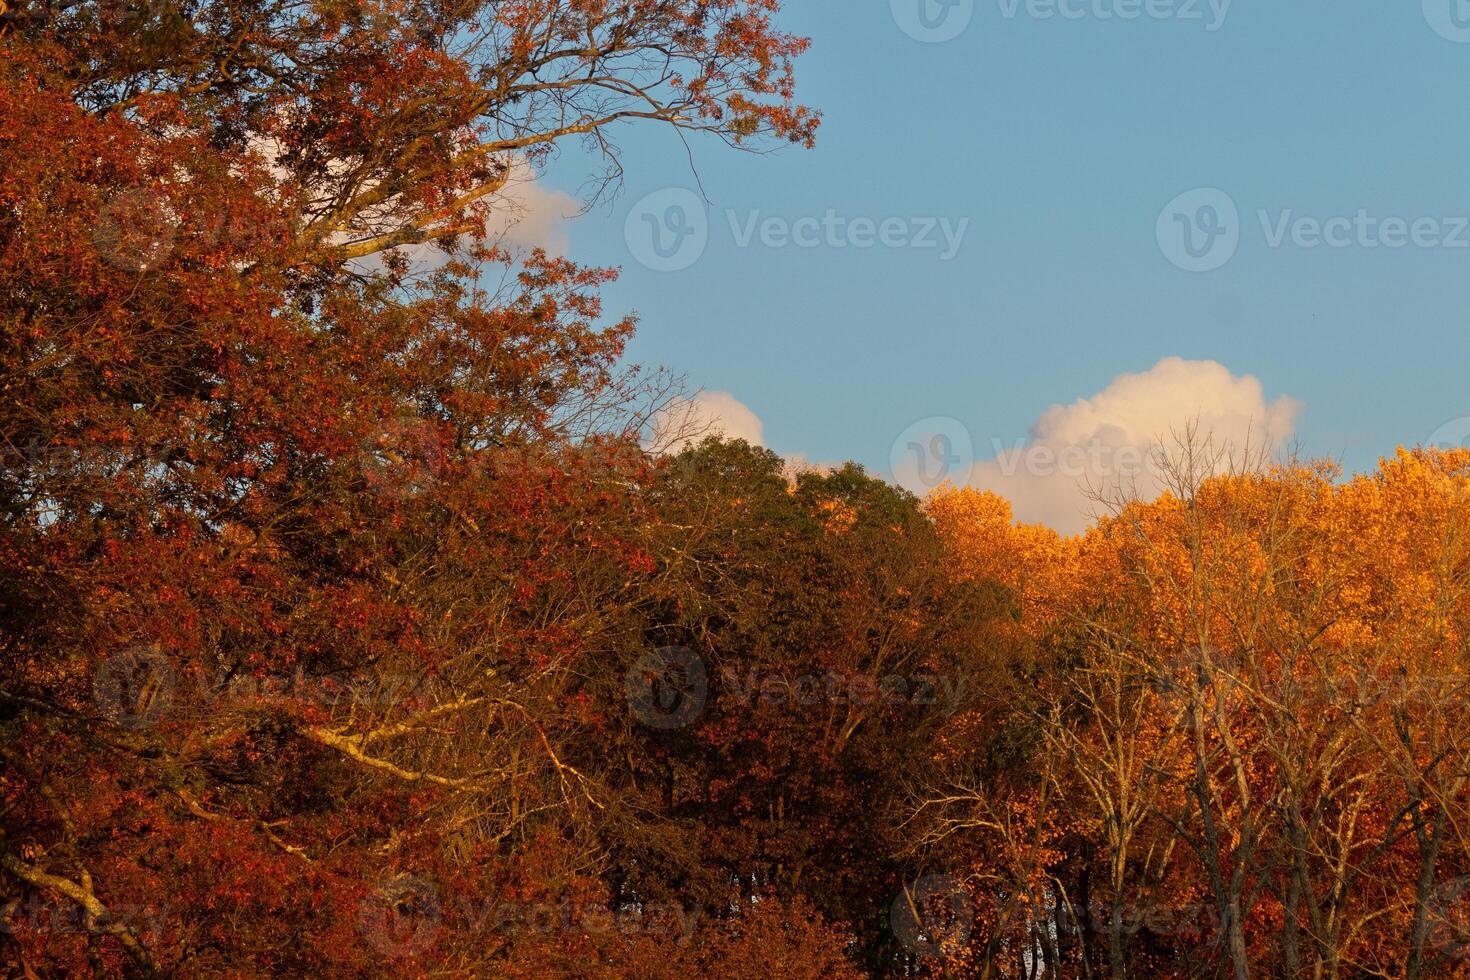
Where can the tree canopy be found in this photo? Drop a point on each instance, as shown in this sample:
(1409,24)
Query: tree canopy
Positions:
(350,627)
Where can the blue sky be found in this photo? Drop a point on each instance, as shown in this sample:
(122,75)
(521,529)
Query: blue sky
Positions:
(1061,140)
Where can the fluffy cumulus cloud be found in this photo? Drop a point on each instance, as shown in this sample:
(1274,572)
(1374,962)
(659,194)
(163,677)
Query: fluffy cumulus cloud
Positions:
(685,421)
(1107,444)
(530,214)
(688,420)
(525,214)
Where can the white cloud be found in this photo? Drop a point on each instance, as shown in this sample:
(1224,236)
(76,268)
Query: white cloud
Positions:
(1105,443)
(687,421)
(524,213)
(684,421)
(530,214)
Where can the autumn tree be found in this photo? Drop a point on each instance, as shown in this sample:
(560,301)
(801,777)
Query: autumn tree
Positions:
(306,548)
(1244,754)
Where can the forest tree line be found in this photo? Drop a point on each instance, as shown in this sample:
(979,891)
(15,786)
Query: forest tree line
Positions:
(353,627)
